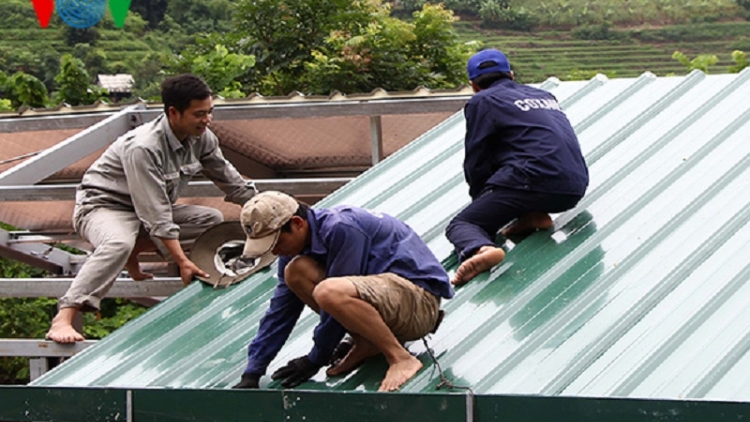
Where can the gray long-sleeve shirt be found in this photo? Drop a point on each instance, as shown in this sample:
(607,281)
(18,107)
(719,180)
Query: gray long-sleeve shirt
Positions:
(146,169)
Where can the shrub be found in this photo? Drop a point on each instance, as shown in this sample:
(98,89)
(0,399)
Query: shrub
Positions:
(6,105)
(598,32)
(494,14)
(700,62)
(741,61)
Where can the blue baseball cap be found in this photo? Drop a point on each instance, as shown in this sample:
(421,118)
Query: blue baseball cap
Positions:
(489,55)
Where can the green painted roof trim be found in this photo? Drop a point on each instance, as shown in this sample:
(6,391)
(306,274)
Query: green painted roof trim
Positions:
(64,404)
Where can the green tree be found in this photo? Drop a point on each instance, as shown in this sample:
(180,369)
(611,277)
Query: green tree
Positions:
(700,62)
(49,66)
(438,47)
(94,60)
(217,66)
(462,6)
(202,16)
(75,36)
(17,14)
(3,84)
(73,83)
(392,54)
(175,36)
(40,62)
(502,14)
(283,34)
(152,11)
(740,58)
(26,90)
(317,46)
(5,104)
(148,74)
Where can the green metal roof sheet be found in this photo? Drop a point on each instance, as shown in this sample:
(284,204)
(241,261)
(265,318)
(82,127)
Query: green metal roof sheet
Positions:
(640,291)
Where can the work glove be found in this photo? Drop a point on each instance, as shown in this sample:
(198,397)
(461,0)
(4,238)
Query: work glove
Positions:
(249,381)
(295,372)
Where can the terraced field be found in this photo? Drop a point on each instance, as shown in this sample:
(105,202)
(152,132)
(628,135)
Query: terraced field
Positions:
(535,56)
(539,55)
(117,44)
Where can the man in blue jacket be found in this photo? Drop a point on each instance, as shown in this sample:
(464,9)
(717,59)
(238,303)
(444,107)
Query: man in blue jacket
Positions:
(364,272)
(522,161)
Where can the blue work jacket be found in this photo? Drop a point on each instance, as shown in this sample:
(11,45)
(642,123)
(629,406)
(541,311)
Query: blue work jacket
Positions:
(346,241)
(518,137)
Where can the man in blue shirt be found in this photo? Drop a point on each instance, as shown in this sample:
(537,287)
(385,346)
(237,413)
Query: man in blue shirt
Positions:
(364,272)
(522,161)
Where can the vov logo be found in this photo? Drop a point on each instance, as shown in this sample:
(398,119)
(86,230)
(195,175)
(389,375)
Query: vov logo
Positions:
(81,13)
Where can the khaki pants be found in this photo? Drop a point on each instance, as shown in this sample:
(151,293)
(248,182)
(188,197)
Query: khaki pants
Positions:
(410,311)
(113,234)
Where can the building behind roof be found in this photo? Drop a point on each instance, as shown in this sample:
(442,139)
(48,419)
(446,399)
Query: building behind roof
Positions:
(120,86)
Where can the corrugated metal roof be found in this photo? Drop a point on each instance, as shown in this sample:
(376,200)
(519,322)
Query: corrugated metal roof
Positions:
(641,291)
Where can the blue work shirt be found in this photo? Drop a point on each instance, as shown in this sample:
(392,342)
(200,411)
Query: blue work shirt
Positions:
(346,241)
(518,137)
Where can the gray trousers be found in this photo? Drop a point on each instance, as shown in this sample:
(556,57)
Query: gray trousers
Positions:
(113,234)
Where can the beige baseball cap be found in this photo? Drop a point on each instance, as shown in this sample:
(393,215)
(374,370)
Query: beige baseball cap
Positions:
(262,218)
(218,252)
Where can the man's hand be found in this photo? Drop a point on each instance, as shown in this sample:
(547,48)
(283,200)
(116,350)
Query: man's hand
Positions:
(249,381)
(188,271)
(296,372)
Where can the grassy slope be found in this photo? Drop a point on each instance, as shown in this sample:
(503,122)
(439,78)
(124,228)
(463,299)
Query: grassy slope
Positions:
(539,55)
(117,44)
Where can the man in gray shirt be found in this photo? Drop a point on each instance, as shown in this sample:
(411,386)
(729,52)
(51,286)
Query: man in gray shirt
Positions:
(125,203)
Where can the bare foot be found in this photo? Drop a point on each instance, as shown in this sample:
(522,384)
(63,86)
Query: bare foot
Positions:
(62,332)
(400,372)
(134,269)
(132,264)
(528,223)
(485,258)
(361,351)
(138,275)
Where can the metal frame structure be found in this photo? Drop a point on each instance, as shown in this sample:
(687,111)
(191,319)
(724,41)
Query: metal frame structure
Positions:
(71,150)
(19,183)
(56,287)
(43,355)
(316,186)
(104,127)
